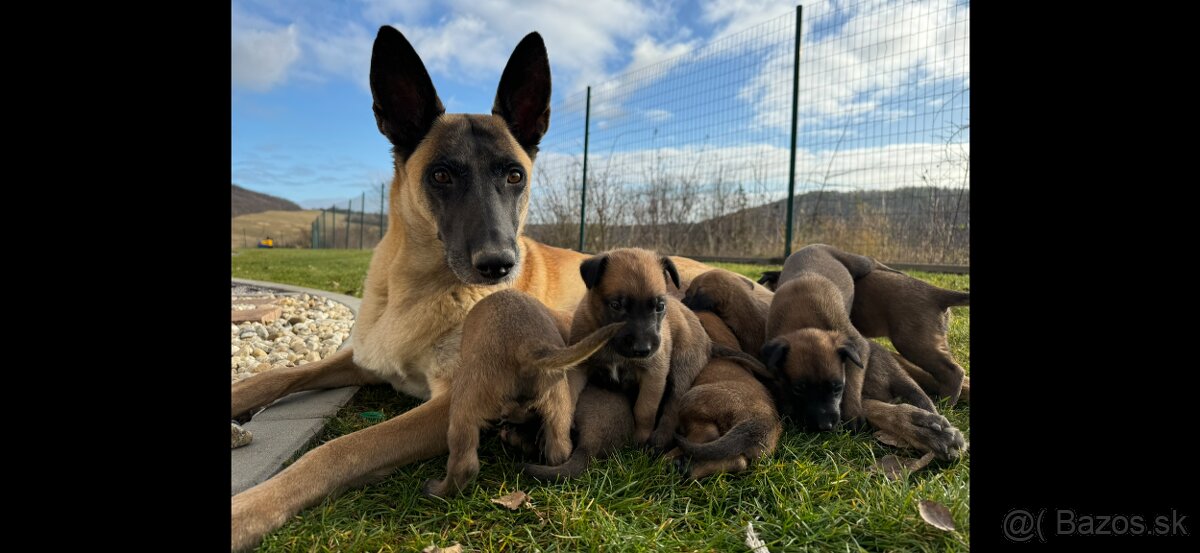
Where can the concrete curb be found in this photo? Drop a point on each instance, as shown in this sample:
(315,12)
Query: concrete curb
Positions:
(292,421)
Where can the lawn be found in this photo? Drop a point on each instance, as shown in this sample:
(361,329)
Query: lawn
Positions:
(814,493)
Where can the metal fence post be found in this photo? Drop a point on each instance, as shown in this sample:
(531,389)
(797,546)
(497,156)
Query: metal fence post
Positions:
(349,214)
(787,247)
(587,119)
(333,235)
(362,220)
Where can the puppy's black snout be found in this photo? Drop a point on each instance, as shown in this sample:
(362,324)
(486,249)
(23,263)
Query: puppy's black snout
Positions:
(494,264)
(825,425)
(641,350)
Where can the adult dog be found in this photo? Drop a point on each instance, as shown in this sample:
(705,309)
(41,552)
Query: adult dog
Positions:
(459,198)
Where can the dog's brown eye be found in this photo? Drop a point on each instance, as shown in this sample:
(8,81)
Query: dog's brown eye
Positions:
(662,306)
(514,176)
(441,176)
(615,305)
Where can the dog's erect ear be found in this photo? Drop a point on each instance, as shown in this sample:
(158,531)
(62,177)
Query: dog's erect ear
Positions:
(405,101)
(774,354)
(592,269)
(672,273)
(848,351)
(749,283)
(523,97)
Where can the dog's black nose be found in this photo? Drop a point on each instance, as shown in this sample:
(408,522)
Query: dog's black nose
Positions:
(641,350)
(825,425)
(493,265)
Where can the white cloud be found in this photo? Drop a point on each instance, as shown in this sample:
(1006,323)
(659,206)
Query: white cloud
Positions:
(262,52)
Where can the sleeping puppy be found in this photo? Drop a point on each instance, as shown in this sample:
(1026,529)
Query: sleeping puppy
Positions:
(661,348)
(841,268)
(912,313)
(814,357)
(513,360)
(728,419)
(740,305)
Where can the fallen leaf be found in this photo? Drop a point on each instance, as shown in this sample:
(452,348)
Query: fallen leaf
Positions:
(888,439)
(893,467)
(513,500)
(936,515)
(456,548)
(755,543)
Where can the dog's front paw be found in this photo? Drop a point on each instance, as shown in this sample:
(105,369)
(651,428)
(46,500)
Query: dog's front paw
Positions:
(641,436)
(935,434)
(952,388)
(662,439)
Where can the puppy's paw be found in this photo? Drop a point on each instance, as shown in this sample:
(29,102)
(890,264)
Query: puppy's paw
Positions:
(952,387)
(641,436)
(935,434)
(662,439)
(434,488)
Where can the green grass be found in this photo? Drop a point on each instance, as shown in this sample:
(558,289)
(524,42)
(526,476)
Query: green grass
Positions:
(340,271)
(814,493)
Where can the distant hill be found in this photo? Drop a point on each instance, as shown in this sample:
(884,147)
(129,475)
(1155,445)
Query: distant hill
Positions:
(289,229)
(244,201)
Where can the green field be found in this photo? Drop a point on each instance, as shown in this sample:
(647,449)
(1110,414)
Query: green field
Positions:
(814,493)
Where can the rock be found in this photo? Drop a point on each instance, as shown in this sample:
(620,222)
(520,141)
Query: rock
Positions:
(313,356)
(246,335)
(239,436)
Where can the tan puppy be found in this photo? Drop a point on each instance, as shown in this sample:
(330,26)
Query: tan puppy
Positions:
(740,304)
(728,419)
(662,346)
(811,352)
(512,346)
(603,422)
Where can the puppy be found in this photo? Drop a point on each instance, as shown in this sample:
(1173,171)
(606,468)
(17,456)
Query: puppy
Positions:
(813,354)
(728,419)
(661,348)
(604,423)
(841,268)
(912,313)
(740,305)
(515,356)
(915,315)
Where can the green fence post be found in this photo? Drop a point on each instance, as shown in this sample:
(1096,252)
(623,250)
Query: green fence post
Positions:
(587,120)
(362,220)
(349,214)
(333,235)
(787,248)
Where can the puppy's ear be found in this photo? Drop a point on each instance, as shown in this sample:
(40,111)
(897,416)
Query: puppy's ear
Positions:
(774,354)
(848,351)
(669,267)
(592,269)
(523,97)
(749,283)
(405,102)
(770,279)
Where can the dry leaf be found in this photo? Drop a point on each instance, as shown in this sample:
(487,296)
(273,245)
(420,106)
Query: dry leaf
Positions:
(456,548)
(936,514)
(755,543)
(888,439)
(513,500)
(893,467)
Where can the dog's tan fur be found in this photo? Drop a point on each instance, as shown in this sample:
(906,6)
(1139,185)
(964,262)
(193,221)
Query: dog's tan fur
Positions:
(603,422)
(741,306)
(517,357)
(407,333)
(683,351)
(728,418)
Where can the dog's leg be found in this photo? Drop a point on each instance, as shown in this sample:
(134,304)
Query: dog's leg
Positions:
(903,386)
(463,465)
(557,411)
(927,382)
(664,433)
(335,371)
(921,429)
(350,460)
(644,410)
(927,348)
(852,393)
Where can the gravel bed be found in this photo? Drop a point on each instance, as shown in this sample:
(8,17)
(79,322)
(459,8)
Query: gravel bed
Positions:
(310,328)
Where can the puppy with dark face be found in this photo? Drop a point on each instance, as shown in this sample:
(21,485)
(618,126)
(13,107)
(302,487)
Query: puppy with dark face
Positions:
(740,304)
(913,314)
(661,348)
(816,358)
(512,345)
(728,419)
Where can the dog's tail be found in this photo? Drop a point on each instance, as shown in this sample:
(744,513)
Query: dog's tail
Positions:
(951,298)
(741,438)
(575,465)
(744,359)
(573,355)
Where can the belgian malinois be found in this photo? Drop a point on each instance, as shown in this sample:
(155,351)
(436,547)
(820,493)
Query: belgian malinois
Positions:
(459,198)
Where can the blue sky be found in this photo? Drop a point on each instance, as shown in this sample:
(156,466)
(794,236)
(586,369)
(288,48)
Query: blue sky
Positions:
(302,126)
